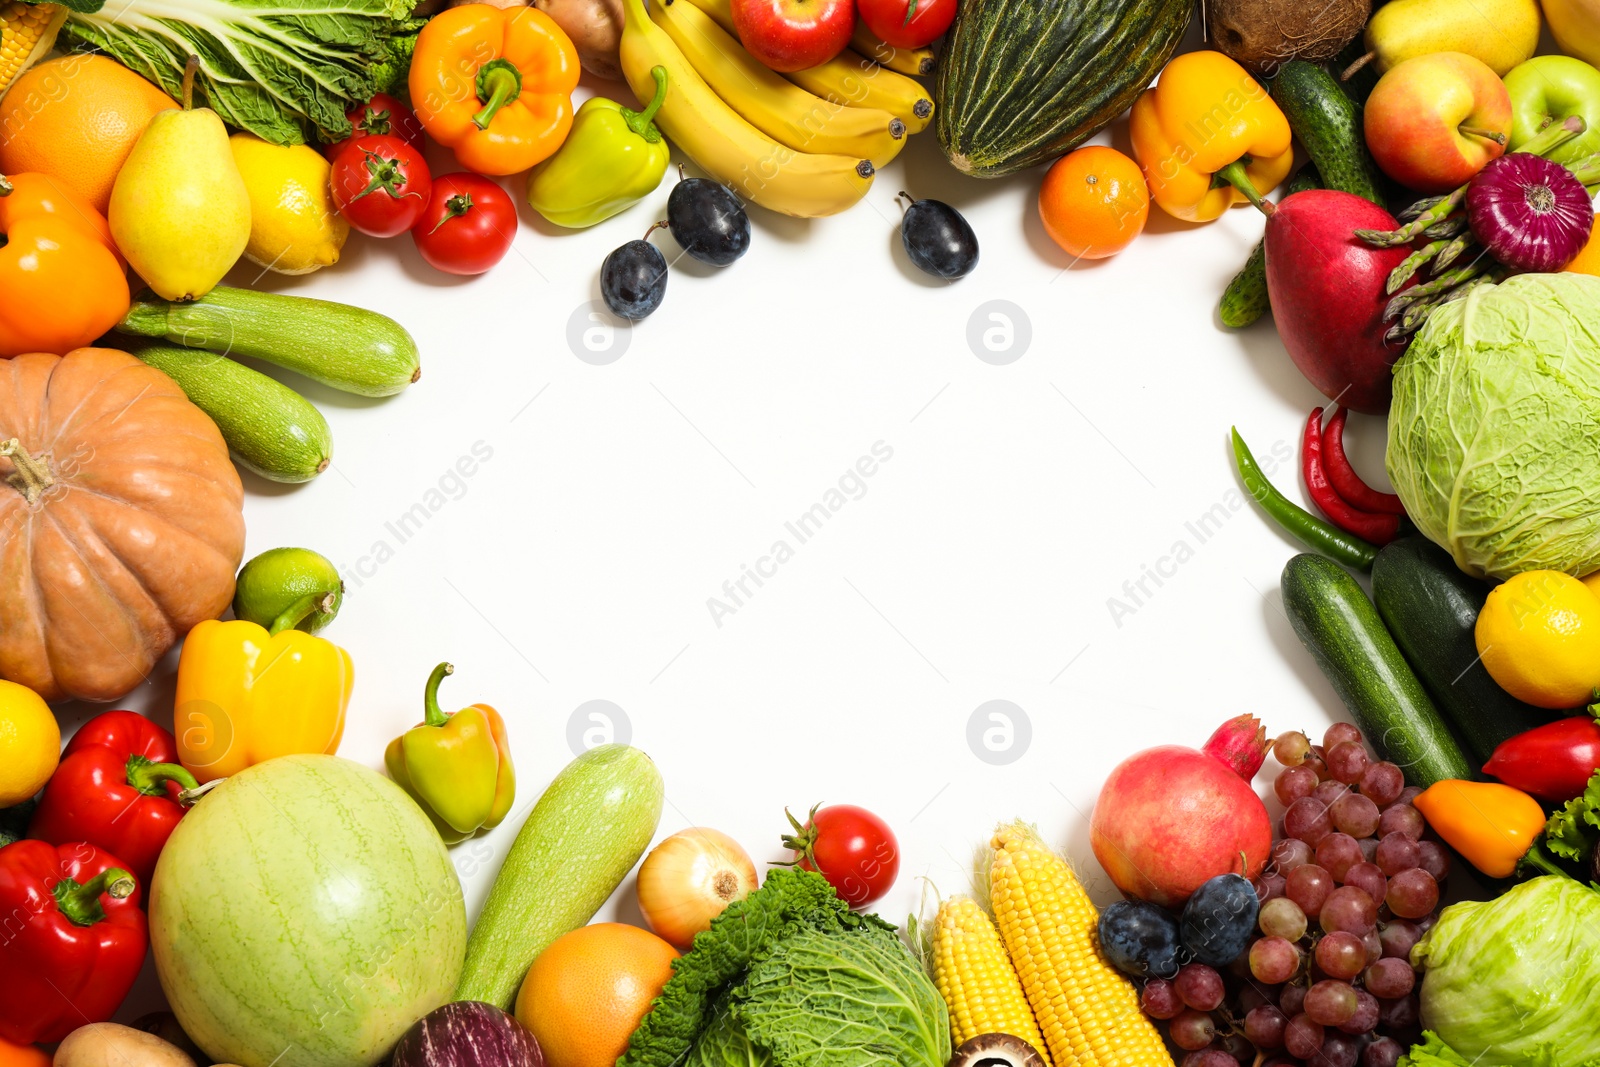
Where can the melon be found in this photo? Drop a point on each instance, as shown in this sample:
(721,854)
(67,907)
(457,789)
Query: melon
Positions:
(304,914)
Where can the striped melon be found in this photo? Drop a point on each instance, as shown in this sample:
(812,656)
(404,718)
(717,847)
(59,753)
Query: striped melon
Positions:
(1021,82)
(305,914)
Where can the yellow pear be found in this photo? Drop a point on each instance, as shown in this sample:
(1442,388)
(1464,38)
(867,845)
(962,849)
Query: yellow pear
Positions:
(179,210)
(1502,33)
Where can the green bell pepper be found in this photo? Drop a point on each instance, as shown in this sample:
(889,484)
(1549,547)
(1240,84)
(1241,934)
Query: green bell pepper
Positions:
(612,159)
(456,767)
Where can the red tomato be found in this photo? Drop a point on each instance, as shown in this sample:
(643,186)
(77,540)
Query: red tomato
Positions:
(380,185)
(468,225)
(908,23)
(849,846)
(381,116)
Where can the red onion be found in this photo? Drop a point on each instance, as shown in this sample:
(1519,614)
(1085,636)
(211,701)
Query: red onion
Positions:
(1530,213)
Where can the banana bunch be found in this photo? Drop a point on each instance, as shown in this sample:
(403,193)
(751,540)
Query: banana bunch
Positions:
(803,144)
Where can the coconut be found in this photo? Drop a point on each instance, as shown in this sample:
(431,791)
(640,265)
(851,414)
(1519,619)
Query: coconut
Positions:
(1264,34)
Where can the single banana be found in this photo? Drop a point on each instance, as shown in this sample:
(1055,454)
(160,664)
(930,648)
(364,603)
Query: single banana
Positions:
(775,106)
(850,79)
(697,121)
(918,62)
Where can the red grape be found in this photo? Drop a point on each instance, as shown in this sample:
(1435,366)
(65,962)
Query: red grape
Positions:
(1408,794)
(1330,791)
(1398,938)
(1341,955)
(1339,1050)
(1369,848)
(1432,857)
(1337,853)
(1307,819)
(1366,1016)
(1384,1052)
(1315,762)
(1199,987)
(1192,1030)
(1398,851)
(1159,1000)
(1347,761)
(1292,748)
(1309,887)
(1292,999)
(1350,909)
(1412,894)
(1263,1027)
(1383,782)
(1289,853)
(1368,878)
(1274,960)
(1269,887)
(1374,946)
(1355,815)
(1294,783)
(1390,978)
(1302,1038)
(1401,818)
(1331,1002)
(1282,918)
(1209,1057)
(1398,1014)
(1253,995)
(1339,733)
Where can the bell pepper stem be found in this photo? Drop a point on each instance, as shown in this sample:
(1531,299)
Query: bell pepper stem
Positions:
(190,797)
(151,778)
(435,715)
(1537,860)
(1234,175)
(300,611)
(33,475)
(499,83)
(79,902)
(640,122)
(6,188)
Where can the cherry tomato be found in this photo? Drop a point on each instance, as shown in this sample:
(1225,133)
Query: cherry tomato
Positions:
(380,185)
(849,846)
(382,116)
(908,23)
(468,225)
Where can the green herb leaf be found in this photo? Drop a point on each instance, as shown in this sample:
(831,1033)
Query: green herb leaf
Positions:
(1573,832)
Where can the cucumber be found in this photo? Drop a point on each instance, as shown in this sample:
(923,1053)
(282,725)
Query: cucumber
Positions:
(345,347)
(1244,301)
(1328,124)
(1341,629)
(1431,608)
(269,427)
(578,844)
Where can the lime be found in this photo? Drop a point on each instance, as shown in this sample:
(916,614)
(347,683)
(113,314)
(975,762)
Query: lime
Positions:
(289,588)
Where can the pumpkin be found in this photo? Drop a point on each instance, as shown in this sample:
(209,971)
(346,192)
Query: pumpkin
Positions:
(120,521)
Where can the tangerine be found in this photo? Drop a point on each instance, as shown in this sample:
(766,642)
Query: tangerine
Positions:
(1094,202)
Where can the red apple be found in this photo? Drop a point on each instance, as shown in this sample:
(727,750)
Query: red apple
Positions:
(1432,122)
(789,35)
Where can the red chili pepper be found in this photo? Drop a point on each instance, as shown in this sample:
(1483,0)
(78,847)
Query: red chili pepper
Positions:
(118,788)
(73,942)
(1554,762)
(1346,482)
(1378,529)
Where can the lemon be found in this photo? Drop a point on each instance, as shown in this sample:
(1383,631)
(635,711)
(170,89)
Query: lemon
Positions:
(1539,638)
(294,226)
(30,743)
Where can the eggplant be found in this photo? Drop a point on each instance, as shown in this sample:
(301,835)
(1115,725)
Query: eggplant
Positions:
(467,1033)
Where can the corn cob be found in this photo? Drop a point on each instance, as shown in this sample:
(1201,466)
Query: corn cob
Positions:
(27,32)
(976,978)
(1089,1014)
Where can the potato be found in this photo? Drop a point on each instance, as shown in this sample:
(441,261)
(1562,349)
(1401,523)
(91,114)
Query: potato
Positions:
(110,1045)
(595,27)
(1263,34)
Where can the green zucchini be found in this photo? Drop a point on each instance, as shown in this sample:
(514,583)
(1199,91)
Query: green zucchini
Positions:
(1431,608)
(1328,124)
(269,427)
(1020,82)
(345,347)
(1244,301)
(1340,628)
(580,841)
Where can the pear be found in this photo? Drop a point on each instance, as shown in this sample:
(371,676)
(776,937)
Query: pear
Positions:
(1501,33)
(179,210)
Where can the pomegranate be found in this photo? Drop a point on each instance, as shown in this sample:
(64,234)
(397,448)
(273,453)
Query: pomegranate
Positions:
(1169,819)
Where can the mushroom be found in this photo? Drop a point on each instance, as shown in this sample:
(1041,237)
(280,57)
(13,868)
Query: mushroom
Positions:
(996,1050)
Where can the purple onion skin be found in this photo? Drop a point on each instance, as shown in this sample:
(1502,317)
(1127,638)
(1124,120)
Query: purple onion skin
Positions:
(467,1034)
(1531,214)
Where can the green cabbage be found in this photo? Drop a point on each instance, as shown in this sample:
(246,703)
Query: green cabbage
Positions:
(1494,435)
(1515,981)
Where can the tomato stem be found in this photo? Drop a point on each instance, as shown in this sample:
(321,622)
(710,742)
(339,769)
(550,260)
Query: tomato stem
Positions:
(454,208)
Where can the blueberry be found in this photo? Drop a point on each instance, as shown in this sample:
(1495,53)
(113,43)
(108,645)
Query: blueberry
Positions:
(633,279)
(938,240)
(708,221)
(1140,938)
(1220,919)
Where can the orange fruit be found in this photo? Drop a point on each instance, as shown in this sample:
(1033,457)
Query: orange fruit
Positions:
(76,119)
(585,994)
(1094,202)
(1587,260)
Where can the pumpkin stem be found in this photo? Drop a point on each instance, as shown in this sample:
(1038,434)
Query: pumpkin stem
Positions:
(33,475)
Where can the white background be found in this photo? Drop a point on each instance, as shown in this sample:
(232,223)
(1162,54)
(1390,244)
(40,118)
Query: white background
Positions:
(576,563)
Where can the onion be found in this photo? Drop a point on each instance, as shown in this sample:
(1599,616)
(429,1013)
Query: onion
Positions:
(1531,214)
(688,880)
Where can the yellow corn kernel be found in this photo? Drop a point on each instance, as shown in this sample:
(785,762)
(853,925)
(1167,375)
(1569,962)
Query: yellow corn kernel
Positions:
(1088,1012)
(27,32)
(976,979)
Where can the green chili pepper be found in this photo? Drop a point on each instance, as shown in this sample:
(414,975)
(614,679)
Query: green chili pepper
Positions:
(1311,531)
(611,159)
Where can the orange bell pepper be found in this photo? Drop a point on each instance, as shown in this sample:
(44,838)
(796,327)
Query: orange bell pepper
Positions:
(495,85)
(1492,825)
(22,1055)
(62,280)
(1208,137)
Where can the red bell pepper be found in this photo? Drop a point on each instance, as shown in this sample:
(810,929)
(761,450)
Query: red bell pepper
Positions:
(73,939)
(118,787)
(1554,762)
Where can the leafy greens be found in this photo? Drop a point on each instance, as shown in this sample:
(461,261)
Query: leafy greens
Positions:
(1574,830)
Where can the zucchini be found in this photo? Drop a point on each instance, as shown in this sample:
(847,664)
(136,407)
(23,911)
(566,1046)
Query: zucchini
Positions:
(348,348)
(1328,124)
(1020,82)
(1244,301)
(269,427)
(1340,628)
(1431,608)
(580,841)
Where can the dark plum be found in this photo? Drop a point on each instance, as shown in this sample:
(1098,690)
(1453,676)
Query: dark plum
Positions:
(708,221)
(633,279)
(939,241)
(1220,919)
(1140,938)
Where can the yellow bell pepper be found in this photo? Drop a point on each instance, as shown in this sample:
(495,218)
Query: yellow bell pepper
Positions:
(1207,137)
(1492,825)
(247,695)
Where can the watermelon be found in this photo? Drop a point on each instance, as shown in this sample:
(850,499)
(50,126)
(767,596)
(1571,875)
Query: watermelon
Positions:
(305,914)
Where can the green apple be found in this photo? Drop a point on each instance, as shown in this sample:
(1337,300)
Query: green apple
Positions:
(1548,89)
